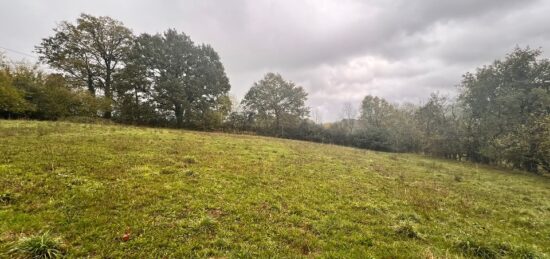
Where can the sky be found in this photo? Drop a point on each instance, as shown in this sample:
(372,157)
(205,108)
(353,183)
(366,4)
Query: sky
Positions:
(338,50)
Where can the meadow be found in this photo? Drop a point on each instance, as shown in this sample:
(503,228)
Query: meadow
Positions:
(109,191)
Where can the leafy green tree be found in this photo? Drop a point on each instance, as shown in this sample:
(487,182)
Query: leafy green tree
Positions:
(91,51)
(505,100)
(188,80)
(135,90)
(171,61)
(276,104)
(375,111)
(209,104)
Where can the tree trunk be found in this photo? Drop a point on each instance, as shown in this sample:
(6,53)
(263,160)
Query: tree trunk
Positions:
(90,83)
(179,115)
(108,92)
(136,110)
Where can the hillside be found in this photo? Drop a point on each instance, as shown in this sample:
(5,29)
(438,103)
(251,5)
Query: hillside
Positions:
(181,193)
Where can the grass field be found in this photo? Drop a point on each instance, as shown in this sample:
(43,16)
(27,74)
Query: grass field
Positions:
(191,194)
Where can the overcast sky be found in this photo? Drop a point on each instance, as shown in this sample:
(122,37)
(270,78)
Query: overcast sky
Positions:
(339,51)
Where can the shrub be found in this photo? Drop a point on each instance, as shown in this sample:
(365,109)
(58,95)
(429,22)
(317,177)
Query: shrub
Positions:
(41,246)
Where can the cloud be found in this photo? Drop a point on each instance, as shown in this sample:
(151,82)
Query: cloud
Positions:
(338,50)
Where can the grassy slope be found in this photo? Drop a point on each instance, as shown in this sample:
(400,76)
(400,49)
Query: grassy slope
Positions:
(206,194)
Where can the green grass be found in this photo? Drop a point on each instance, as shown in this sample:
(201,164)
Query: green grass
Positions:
(191,194)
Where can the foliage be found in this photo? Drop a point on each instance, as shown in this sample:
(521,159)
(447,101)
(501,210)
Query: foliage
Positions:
(27,92)
(12,100)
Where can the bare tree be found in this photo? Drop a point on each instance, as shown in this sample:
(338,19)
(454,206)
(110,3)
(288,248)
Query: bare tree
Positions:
(317,116)
(349,114)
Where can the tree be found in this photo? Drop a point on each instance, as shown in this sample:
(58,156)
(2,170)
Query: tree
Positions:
(188,80)
(276,104)
(437,120)
(504,101)
(375,110)
(209,100)
(90,51)
(135,87)
(349,115)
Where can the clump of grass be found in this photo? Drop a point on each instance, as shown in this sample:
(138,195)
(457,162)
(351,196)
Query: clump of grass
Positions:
(206,224)
(479,249)
(410,217)
(6,198)
(41,246)
(169,170)
(476,249)
(190,173)
(458,178)
(526,222)
(190,159)
(524,253)
(406,229)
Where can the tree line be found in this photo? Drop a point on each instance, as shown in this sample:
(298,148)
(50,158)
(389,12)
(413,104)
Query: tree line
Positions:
(103,70)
